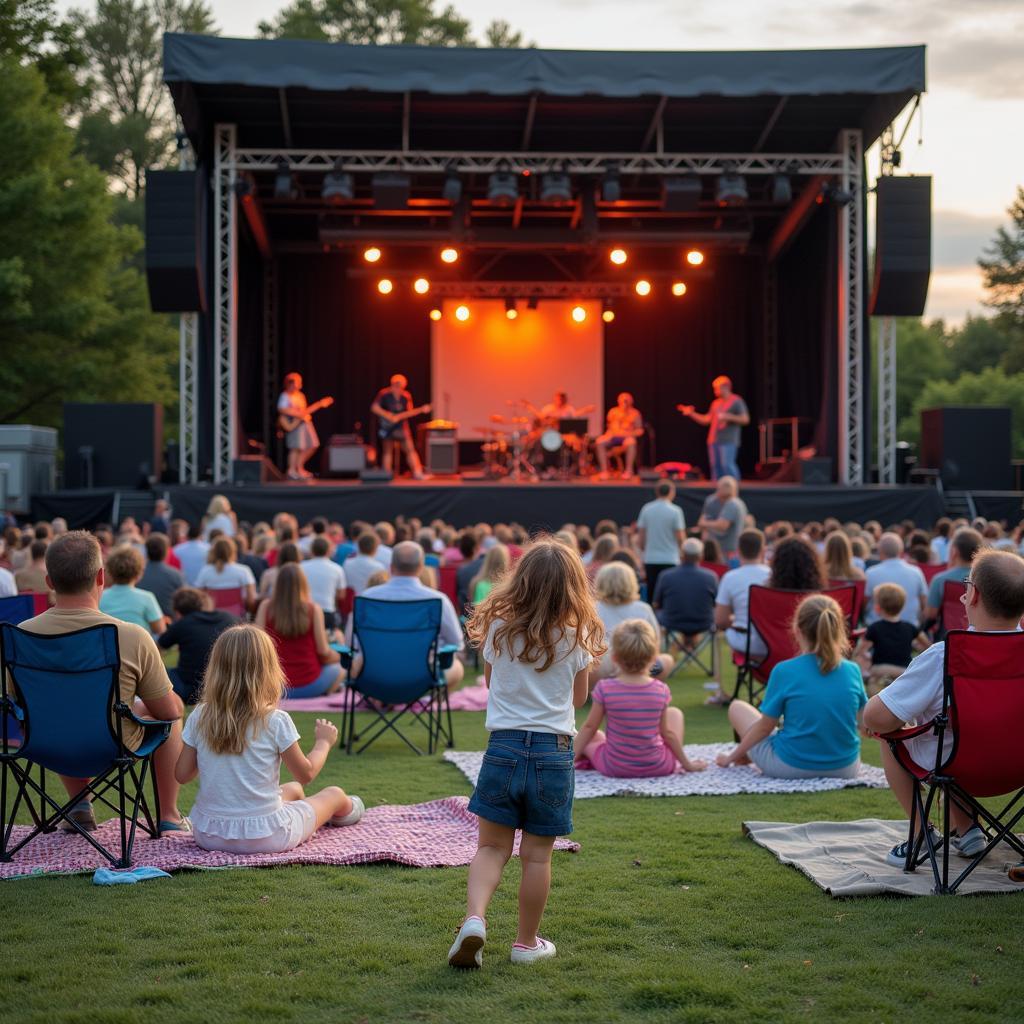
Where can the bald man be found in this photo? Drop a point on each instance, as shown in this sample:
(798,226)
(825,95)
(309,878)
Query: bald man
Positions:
(727,414)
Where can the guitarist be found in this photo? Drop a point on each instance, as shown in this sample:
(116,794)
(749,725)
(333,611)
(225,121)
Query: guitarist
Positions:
(295,418)
(394,408)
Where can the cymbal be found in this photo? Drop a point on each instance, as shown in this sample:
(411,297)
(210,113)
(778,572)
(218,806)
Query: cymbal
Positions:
(496,417)
(518,419)
(488,430)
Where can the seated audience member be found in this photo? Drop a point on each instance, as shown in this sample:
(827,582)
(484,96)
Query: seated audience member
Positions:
(713,552)
(724,514)
(362,565)
(892,569)
(838,559)
(733,598)
(512,538)
(495,565)
(817,696)
(74,569)
(253,560)
(618,599)
(158,577)
(195,628)
(287,554)
(296,626)
(123,599)
(451,555)
(626,557)
(963,546)
(661,529)
(386,535)
(568,538)
(405,585)
(994,602)
(219,517)
(472,561)
(191,554)
(940,542)
(796,566)
(607,545)
(684,598)
(644,736)
(223,572)
(317,528)
(888,644)
(235,742)
(860,549)
(427,539)
(327,582)
(32,578)
(8,587)
(160,520)
(377,578)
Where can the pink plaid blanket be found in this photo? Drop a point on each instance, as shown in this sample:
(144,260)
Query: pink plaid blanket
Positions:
(437,834)
(469,698)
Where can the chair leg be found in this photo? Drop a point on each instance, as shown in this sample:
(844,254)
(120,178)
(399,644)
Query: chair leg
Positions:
(448,712)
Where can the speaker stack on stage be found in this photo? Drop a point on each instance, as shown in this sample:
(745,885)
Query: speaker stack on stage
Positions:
(175,206)
(112,444)
(969,445)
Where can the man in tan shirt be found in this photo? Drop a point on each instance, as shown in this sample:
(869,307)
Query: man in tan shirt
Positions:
(74,571)
(32,579)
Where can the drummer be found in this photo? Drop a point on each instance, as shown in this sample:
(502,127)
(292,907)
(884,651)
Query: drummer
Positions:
(559,408)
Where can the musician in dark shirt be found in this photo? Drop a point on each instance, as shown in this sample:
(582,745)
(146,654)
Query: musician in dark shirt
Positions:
(389,406)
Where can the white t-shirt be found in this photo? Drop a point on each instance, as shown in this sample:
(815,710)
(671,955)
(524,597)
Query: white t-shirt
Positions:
(611,615)
(192,555)
(221,521)
(325,578)
(661,520)
(520,697)
(940,549)
(8,588)
(359,568)
(909,577)
(240,794)
(734,593)
(916,698)
(234,574)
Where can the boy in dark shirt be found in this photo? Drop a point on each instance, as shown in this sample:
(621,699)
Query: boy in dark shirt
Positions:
(888,646)
(196,626)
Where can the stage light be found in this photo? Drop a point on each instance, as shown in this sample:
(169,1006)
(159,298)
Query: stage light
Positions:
(643,288)
(579,314)
(611,185)
(435,314)
(385,286)
(451,192)
(462,313)
(695,257)
(449,255)
(284,182)
(678,288)
(531,302)
(337,186)
(834,194)
(731,188)
(503,188)
(555,188)
(608,315)
(681,194)
(618,256)
(782,189)
(371,255)
(421,286)
(390,190)
(510,309)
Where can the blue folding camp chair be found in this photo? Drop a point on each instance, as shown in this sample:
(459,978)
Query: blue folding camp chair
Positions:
(65,693)
(402,670)
(15,609)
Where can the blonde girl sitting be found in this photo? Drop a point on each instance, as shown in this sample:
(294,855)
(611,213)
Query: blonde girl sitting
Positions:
(645,734)
(235,741)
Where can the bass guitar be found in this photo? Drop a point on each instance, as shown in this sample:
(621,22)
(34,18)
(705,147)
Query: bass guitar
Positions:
(289,423)
(389,427)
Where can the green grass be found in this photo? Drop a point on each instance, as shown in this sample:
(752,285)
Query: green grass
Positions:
(666,914)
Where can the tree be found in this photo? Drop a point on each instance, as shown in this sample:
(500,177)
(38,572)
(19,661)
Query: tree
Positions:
(32,33)
(500,35)
(129,123)
(922,354)
(983,342)
(1003,266)
(374,22)
(74,321)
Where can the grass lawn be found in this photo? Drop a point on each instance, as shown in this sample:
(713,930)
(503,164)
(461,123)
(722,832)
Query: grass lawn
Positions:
(666,914)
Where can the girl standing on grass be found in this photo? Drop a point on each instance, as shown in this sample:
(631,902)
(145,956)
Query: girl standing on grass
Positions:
(235,741)
(539,632)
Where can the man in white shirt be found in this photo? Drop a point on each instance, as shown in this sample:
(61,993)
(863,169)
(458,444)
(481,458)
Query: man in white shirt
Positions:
(327,583)
(192,554)
(994,602)
(892,569)
(8,588)
(660,530)
(319,529)
(362,565)
(733,599)
(405,585)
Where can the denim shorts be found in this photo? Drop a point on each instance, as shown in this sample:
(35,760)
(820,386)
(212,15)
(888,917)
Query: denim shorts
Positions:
(527,781)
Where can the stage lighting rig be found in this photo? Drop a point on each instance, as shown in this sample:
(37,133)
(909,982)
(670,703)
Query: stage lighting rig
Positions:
(449,254)
(611,184)
(385,286)
(579,314)
(832,193)
(421,286)
(782,189)
(643,287)
(284,182)
(695,257)
(451,191)
(503,187)
(608,313)
(555,188)
(731,188)
(338,186)
(435,314)
(510,309)
(678,288)
(372,254)
(390,190)
(681,194)
(462,313)
(618,256)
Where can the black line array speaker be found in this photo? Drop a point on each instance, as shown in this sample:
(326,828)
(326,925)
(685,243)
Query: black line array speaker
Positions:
(122,443)
(903,246)
(969,445)
(175,205)
(815,470)
(442,456)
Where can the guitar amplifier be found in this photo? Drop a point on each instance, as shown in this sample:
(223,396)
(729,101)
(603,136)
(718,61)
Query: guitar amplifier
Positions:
(346,454)
(442,455)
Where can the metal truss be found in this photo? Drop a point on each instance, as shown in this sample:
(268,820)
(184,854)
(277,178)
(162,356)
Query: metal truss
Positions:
(886,400)
(271,374)
(530,289)
(851,311)
(437,162)
(188,388)
(770,366)
(225,284)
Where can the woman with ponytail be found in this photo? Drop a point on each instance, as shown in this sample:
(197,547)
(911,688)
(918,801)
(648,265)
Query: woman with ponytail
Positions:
(818,697)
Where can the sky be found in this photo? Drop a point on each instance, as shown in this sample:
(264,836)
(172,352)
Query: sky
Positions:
(970,120)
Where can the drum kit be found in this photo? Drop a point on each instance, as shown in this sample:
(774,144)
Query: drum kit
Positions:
(519,446)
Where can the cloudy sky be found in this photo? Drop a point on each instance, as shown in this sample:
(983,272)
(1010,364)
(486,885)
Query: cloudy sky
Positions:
(971,117)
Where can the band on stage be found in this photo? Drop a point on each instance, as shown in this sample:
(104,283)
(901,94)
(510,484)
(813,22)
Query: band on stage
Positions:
(524,442)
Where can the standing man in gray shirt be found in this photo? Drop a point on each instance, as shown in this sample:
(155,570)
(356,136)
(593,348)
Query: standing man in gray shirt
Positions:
(727,414)
(724,515)
(661,528)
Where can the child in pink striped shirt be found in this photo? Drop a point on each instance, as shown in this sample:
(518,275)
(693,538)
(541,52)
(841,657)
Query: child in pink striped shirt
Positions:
(644,735)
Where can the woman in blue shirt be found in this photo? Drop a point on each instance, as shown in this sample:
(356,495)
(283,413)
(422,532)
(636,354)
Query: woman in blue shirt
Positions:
(818,696)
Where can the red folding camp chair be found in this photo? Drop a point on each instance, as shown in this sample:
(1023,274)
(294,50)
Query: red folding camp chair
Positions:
(229,600)
(983,706)
(345,604)
(716,567)
(858,599)
(952,613)
(930,570)
(447,584)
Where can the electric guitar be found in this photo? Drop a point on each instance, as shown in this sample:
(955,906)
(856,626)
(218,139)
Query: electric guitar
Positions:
(388,427)
(289,423)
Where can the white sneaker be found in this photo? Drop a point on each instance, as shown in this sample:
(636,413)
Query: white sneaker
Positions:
(358,810)
(525,955)
(468,948)
(971,843)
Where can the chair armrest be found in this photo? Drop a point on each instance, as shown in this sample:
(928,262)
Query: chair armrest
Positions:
(345,652)
(907,734)
(126,712)
(446,656)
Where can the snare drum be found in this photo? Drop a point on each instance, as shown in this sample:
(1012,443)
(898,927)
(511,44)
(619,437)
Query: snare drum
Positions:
(551,441)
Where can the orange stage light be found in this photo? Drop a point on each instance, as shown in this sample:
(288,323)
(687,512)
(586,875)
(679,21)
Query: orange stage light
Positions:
(512,313)
(579,314)
(608,316)
(695,257)
(435,314)
(449,255)
(421,286)
(678,288)
(618,256)
(385,286)
(462,313)
(643,287)
(371,255)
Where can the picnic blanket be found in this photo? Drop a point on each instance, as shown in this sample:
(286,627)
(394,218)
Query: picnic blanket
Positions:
(469,698)
(436,834)
(847,858)
(714,781)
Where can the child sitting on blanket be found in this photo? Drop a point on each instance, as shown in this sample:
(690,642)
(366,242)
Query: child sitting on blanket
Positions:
(645,735)
(818,696)
(539,633)
(235,741)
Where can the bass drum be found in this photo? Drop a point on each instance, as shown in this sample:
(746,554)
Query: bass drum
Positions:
(551,441)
